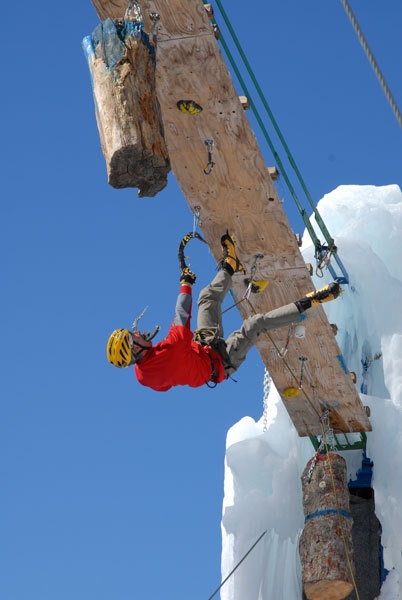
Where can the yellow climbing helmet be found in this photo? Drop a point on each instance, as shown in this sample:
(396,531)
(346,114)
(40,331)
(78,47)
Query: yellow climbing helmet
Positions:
(118,348)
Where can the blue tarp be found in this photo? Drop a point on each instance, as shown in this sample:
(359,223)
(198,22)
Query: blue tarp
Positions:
(108,41)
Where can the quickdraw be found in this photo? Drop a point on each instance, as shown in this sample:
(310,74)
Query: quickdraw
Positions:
(322,256)
(285,348)
(154,29)
(197,218)
(253,285)
(210,165)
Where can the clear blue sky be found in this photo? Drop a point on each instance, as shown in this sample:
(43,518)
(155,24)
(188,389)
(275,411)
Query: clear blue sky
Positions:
(111,490)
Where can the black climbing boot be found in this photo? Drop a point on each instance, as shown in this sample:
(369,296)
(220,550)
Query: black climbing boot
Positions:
(325,294)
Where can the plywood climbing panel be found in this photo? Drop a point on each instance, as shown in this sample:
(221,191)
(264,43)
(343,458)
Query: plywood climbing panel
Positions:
(218,164)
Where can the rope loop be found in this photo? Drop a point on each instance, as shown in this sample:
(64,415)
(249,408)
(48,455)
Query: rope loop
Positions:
(302,359)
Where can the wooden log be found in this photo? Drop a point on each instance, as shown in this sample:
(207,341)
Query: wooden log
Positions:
(127,110)
(325,546)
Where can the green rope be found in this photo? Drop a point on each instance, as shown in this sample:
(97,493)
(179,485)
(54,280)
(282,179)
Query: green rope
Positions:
(292,162)
(268,140)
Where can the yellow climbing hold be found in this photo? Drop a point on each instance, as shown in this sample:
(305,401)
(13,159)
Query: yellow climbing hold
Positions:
(189,106)
(291,392)
(257,285)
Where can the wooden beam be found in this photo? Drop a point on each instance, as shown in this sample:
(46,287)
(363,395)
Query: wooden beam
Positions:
(273,172)
(237,193)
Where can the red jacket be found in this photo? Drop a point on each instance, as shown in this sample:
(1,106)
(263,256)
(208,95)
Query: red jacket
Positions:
(178,360)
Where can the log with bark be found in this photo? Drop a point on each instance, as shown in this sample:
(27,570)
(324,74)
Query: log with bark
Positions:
(121,60)
(325,547)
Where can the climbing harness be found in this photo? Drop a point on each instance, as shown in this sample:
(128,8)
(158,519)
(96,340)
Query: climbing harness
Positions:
(198,334)
(210,165)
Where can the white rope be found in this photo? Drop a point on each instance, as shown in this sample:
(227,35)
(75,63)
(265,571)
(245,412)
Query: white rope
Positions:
(373,61)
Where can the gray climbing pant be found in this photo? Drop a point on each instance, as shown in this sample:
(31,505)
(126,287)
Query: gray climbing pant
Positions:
(242,340)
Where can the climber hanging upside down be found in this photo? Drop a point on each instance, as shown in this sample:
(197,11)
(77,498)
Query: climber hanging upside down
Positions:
(184,358)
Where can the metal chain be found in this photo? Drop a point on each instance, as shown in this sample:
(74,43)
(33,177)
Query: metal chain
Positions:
(327,443)
(328,437)
(267,388)
(309,473)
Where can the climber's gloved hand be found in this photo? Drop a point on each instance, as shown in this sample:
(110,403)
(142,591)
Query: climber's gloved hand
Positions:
(187,277)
